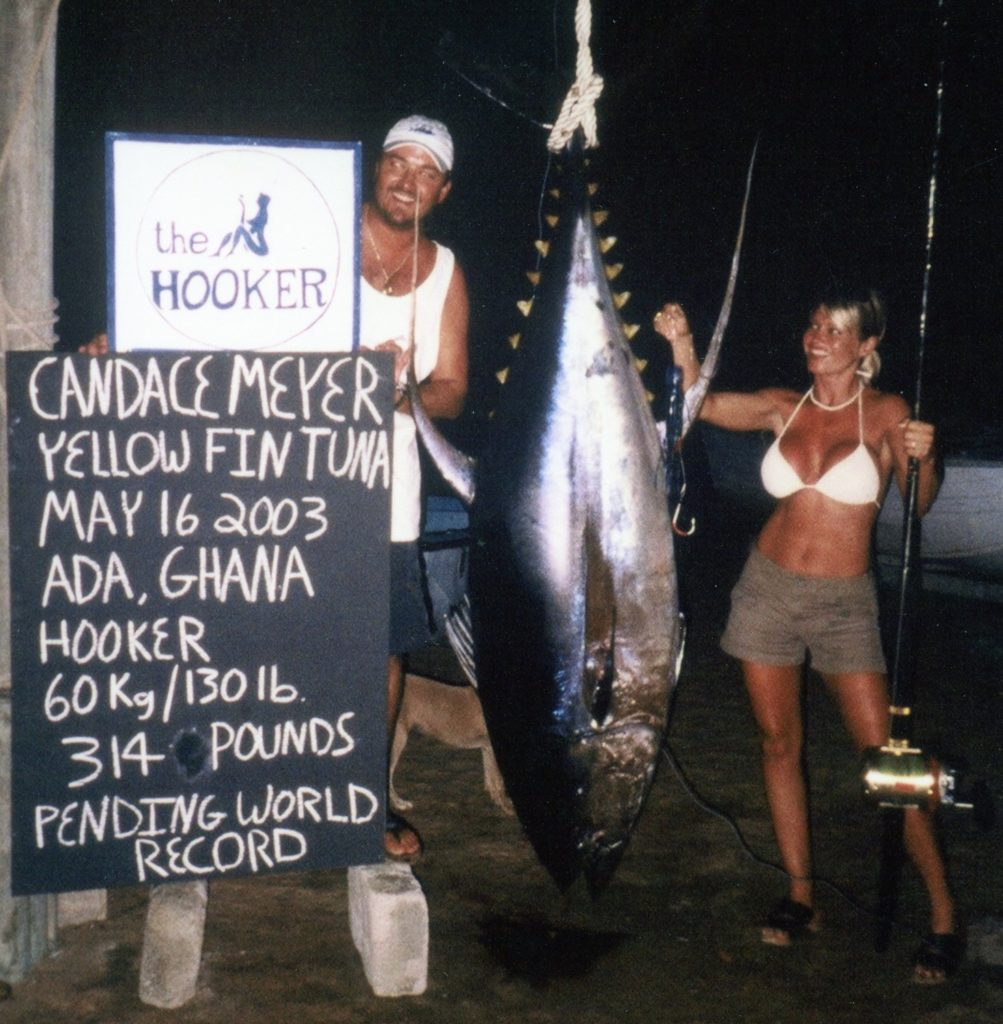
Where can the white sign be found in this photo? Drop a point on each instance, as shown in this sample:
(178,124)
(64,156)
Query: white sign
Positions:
(221,243)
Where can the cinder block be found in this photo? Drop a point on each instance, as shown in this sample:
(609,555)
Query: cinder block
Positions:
(172,944)
(389,922)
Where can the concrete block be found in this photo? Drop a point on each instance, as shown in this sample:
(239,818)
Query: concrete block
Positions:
(172,944)
(82,907)
(388,915)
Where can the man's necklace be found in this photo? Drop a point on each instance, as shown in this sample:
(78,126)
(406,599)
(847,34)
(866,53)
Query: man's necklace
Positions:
(387,277)
(838,405)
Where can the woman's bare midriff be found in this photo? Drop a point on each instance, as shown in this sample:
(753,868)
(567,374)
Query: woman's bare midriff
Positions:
(813,535)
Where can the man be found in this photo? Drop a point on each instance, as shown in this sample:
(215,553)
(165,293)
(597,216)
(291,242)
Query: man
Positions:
(407,278)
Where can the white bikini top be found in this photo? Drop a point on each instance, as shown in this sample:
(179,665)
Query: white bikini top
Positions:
(854,480)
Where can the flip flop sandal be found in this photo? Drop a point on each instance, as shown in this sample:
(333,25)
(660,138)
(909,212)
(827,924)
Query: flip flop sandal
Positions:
(940,956)
(792,919)
(397,827)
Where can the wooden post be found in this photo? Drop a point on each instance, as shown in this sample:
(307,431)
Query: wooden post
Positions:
(27,96)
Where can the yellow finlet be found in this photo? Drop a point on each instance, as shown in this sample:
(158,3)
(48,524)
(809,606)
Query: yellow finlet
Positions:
(650,397)
(620,299)
(542,247)
(502,375)
(599,217)
(640,364)
(593,188)
(607,243)
(555,192)
(613,270)
(514,339)
(534,277)
(630,330)
(551,219)
(525,306)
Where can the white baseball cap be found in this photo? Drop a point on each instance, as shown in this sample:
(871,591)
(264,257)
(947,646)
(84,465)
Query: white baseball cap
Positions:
(433,136)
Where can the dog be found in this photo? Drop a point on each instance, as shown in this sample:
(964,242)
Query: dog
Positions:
(452,715)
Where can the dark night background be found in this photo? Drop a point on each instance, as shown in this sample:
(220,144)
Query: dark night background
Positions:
(841,94)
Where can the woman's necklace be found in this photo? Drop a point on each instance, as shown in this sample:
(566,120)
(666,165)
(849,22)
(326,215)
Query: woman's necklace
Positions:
(839,405)
(387,277)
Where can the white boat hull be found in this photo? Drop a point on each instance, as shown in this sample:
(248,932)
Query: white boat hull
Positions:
(962,534)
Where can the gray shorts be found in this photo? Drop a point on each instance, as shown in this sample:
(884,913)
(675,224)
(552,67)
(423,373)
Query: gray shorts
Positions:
(776,615)
(409,620)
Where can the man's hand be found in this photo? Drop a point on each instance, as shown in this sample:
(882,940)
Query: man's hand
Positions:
(97,346)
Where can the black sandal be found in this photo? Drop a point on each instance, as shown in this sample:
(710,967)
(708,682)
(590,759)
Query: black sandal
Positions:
(791,919)
(939,956)
(397,826)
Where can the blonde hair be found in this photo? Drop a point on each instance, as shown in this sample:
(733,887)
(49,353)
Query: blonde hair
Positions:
(865,310)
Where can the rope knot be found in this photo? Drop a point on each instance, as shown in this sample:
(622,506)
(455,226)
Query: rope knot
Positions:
(577,111)
(579,107)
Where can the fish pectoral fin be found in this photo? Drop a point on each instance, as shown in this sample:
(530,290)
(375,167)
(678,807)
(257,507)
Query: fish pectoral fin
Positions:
(695,396)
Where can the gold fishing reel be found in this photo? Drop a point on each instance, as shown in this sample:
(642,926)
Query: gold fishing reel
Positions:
(900,775)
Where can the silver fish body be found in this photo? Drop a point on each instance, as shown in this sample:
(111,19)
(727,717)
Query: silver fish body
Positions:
(572,577)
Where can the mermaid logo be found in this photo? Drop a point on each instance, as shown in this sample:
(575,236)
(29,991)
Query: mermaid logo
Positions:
(249,233)
(240,246)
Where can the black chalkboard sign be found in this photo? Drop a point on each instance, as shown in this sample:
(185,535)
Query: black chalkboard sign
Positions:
(199,585)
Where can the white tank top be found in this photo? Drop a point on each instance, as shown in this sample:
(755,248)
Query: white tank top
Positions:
(388,318)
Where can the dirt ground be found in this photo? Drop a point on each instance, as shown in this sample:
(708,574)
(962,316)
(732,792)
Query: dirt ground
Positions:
(673,939)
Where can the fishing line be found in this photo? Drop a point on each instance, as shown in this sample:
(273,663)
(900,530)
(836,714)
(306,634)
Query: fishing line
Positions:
(693,793)
(578,109)
(491,95)
(412,372)
(484,90)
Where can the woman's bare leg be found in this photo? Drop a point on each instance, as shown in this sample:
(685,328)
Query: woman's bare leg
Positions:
(863,702)
(775,695)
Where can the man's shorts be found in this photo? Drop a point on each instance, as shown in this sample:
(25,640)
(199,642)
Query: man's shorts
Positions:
(776,615)
(409,623)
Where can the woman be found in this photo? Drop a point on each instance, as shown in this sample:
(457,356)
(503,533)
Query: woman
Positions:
(807,584)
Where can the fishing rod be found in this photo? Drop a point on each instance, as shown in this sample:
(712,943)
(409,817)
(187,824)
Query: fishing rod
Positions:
(898,774)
